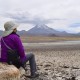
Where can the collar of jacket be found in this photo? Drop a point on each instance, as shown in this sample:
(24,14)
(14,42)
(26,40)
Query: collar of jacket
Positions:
(15,34)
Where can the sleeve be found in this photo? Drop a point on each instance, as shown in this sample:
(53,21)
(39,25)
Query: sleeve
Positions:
(19,47)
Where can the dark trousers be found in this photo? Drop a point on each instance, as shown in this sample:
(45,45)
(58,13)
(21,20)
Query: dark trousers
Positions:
(31,58)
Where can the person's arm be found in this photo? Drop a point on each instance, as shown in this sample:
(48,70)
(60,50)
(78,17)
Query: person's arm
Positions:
(19,47)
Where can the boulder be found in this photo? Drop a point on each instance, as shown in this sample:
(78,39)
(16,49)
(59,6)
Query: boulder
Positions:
(9,72)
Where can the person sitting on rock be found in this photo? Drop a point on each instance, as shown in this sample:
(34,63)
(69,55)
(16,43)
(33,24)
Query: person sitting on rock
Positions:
(10,39)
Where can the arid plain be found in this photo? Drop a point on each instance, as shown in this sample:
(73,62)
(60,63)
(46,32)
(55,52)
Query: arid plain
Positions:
(57,58)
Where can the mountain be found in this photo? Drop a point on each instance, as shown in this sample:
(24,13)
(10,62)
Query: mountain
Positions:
(42,29)
(23,32)
(1,32)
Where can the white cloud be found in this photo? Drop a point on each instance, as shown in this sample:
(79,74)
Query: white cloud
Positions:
(58,14)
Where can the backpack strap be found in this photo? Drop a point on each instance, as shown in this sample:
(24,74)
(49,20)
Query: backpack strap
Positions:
(6,44)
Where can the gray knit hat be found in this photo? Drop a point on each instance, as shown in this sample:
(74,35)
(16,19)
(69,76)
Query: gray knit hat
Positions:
(9,27)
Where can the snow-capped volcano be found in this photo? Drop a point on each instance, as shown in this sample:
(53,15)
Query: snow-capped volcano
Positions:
(41,29)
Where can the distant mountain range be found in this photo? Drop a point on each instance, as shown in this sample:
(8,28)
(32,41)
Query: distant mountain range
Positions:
(43,30)
(1,32)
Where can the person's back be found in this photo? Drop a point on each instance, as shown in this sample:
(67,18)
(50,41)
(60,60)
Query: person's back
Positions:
(8,40)
(14,43)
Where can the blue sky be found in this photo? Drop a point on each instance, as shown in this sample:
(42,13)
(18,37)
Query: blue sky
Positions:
(62,15)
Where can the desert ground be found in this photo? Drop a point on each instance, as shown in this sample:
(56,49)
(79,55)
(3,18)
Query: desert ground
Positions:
(55,60)
(33,39)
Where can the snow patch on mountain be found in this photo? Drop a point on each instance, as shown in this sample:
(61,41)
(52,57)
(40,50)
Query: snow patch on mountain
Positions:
(42,26)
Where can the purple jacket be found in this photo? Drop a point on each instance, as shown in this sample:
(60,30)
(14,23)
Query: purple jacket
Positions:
(14,42)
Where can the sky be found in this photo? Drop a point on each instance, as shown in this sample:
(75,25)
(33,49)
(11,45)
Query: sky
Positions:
(62,15)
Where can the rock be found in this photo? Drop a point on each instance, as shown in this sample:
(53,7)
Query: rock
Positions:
(9,72)
(22,71)
(22,74)
(78,78)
